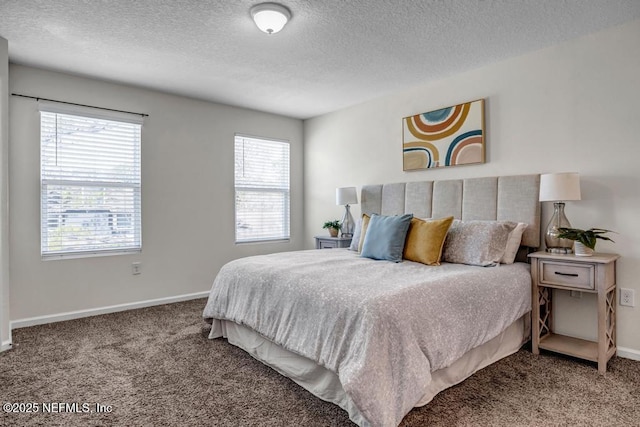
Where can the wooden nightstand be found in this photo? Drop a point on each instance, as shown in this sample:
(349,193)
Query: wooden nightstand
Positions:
(595,274)
(328,242)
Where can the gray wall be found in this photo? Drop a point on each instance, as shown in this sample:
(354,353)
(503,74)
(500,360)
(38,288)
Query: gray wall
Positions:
(187,197)
(568,108)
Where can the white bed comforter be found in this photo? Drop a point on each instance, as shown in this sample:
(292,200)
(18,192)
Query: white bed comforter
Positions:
(381,327)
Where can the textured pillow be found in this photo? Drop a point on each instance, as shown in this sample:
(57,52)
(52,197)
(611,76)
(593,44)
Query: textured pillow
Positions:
(425,240)
(385,237)
(513,244)
(355,240)
(477,242)
(363,230)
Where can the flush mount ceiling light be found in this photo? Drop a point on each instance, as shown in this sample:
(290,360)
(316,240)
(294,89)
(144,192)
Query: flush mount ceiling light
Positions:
(270,17)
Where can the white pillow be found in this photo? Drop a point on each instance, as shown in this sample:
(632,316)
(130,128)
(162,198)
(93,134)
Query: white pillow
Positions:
(355,240)
(513,244)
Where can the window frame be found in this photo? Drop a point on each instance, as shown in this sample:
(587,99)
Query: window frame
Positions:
(46,182)
(286,192)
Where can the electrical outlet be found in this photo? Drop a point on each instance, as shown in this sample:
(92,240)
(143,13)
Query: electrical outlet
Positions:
(136,268)
(627,297)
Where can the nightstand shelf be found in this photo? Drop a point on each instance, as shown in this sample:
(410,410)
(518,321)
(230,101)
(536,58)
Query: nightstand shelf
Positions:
(595,274)
(571,346)
(328,242)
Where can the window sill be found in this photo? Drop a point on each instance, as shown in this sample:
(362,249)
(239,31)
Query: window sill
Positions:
(76,255)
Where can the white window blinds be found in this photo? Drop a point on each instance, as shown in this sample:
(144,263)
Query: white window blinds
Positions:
(90,182)
(262,189)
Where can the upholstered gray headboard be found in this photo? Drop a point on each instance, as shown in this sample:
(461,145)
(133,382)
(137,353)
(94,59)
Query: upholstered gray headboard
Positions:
(502,198)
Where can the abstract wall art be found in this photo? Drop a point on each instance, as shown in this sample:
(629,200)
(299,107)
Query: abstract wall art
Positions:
(449,136)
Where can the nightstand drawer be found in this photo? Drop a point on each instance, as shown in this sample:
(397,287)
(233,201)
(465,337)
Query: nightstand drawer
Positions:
(328,244)
(580,276)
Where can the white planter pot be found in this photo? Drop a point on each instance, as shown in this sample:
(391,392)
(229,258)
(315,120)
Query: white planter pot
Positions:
(581,250)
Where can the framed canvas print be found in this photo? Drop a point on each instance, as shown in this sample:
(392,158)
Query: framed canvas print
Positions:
(449,136)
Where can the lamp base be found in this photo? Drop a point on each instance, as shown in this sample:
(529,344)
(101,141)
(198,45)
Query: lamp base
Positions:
(554,244)
(560,250)
(347,223)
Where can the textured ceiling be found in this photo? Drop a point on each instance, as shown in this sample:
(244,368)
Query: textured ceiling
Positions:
(332,54)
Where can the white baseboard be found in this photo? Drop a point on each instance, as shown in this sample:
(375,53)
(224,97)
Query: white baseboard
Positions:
(61,317)
(628,353)
(5,345)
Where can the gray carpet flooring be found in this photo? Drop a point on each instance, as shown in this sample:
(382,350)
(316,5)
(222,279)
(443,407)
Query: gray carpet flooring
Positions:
(155,367)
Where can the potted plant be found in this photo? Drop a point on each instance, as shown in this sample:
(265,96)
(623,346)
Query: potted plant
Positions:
(585,240)
(333,226)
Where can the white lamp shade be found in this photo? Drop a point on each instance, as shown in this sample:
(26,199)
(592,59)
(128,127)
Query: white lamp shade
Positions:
(270,17)
(346,196)
(556,187)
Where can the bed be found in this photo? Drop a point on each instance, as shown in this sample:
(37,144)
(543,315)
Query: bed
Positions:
(376,337)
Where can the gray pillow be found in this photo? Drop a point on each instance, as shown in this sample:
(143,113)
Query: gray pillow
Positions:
(477,242)
(385,237)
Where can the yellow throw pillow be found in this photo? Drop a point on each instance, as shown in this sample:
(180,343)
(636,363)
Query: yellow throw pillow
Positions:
(425,240)
(365,225)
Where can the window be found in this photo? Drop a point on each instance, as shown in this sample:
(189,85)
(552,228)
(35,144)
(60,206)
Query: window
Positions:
(90,181)
(262,189)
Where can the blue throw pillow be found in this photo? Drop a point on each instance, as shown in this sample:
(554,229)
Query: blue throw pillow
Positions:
(385,237)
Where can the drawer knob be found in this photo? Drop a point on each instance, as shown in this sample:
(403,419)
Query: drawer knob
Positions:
(559,273)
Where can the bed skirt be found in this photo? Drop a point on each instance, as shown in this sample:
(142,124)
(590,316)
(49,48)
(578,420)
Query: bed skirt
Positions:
(326,385)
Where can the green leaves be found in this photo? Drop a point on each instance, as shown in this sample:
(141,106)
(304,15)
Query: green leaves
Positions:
(332,224)
(586,237)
